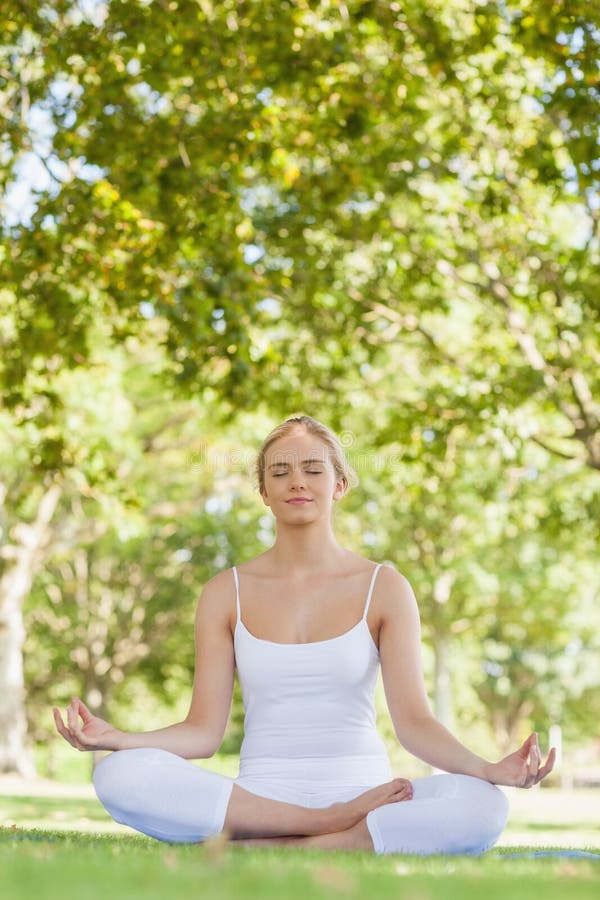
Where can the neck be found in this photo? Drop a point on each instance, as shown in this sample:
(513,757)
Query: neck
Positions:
(305,550)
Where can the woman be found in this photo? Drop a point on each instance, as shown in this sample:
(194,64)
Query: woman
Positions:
(307,623)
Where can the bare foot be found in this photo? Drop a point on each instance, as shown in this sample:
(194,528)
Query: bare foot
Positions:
(345,815)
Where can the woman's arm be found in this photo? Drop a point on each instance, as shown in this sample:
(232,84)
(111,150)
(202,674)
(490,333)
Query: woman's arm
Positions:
(416,727)
(201,733)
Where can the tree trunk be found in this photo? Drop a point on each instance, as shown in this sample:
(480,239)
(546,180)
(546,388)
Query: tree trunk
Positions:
(21,560)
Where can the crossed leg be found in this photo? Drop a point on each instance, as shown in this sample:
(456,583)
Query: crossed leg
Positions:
(447,814)
(356,838)
(169,798)
(166,797)
(259,821)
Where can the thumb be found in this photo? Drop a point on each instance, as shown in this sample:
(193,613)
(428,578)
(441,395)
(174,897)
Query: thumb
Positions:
(526,745)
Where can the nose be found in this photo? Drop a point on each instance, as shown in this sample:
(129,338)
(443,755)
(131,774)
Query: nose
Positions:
(297,482)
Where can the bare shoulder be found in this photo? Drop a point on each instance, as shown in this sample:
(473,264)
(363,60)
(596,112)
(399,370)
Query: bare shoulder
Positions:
(393,596)
(217,600)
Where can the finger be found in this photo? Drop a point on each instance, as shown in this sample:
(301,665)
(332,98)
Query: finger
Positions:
(73,721)
(526,779)
(524,749)
(80,708)
(533,763)
(66,734)
(60,725)
(534,756)
(535,750)
(550,761)
(84,712)
(546,769)
(71,715)
(58,721)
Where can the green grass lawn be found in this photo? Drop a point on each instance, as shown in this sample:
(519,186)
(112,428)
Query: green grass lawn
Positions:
(57,848)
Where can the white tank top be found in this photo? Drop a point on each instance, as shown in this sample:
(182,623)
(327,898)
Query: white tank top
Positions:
(311,700)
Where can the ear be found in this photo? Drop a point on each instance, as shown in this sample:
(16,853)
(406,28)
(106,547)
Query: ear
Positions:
(265,497)
(341,486)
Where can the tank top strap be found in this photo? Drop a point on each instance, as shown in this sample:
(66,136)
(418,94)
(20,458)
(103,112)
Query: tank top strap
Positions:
(371,586)
(237,593)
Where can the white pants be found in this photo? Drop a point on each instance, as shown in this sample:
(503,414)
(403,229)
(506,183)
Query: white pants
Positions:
(169,798)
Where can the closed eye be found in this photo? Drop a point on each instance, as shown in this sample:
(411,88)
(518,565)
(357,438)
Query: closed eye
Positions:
(308,471)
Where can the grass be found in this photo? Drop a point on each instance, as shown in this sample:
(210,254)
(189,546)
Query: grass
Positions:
(56,848)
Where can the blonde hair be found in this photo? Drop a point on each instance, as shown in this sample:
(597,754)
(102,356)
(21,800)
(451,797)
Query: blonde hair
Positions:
(343,469)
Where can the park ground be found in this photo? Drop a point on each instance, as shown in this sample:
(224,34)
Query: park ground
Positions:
(56,841)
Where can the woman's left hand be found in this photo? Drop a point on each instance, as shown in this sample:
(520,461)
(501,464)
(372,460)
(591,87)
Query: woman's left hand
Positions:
(523,767)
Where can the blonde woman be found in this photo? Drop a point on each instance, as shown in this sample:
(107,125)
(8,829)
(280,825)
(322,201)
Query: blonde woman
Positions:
(307,625)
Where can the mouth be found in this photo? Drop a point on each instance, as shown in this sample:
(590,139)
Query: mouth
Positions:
(297,501)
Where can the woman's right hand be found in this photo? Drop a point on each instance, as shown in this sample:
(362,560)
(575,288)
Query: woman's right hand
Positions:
(345,815)
(93,734)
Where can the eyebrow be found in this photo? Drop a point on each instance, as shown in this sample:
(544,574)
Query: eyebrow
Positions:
(276,465)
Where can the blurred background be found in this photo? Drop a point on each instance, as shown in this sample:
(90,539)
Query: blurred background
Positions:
(218,214)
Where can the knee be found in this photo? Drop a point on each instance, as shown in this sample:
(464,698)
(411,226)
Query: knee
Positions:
(484,811)
(497,814)
(122,779)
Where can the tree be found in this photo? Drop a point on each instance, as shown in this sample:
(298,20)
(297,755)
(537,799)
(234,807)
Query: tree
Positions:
(349,195)
(21,556)
(126,557)
(388,189)
(498,541)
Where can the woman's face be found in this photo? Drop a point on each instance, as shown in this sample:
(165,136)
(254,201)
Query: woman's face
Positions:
(300,481)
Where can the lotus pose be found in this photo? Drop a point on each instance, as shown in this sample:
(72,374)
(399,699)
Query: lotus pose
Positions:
(307,625)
